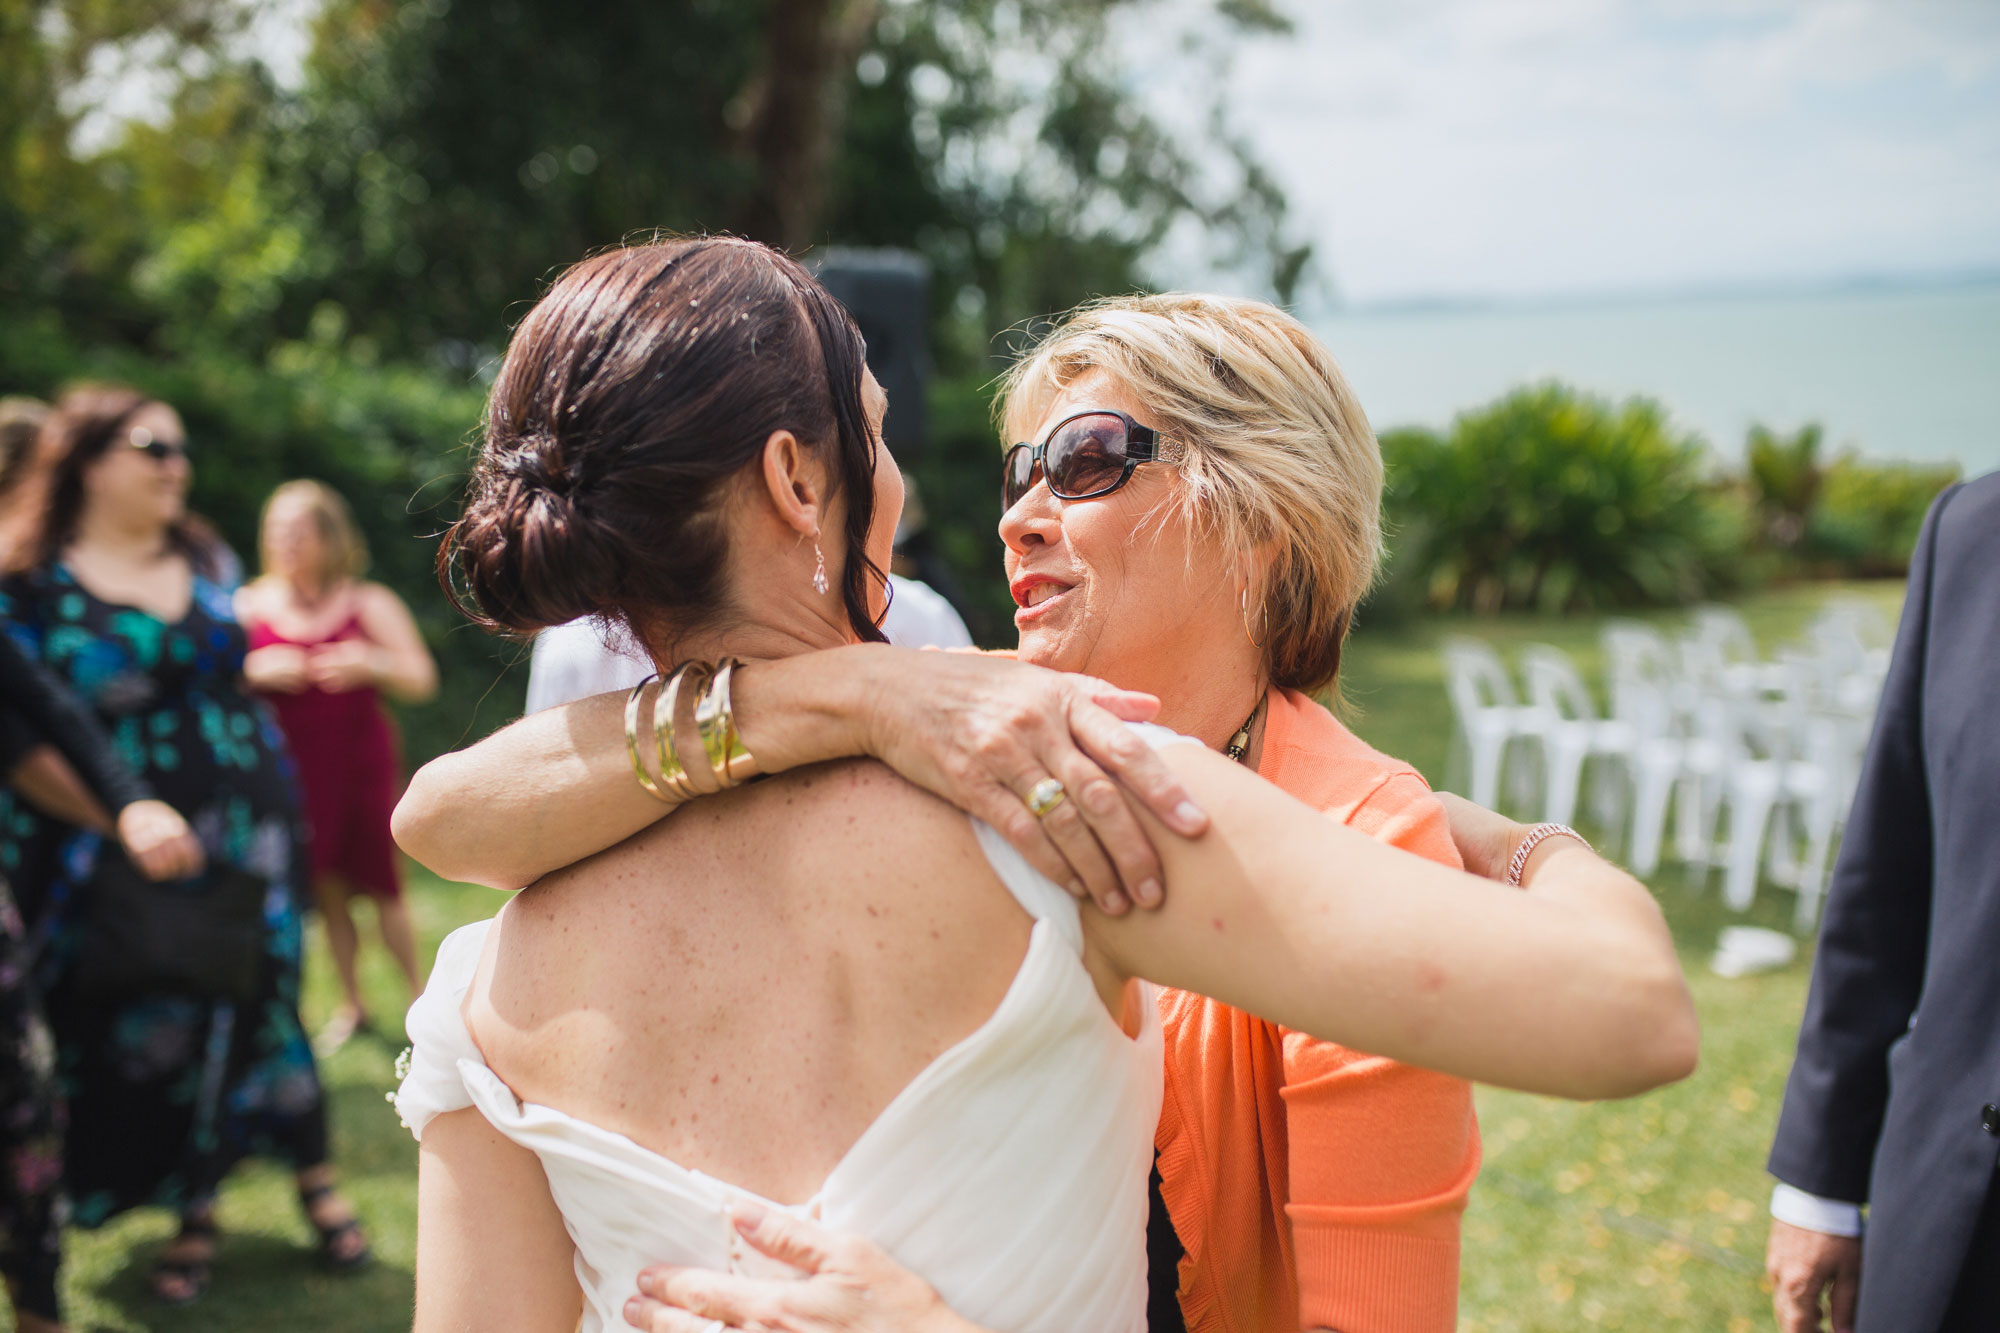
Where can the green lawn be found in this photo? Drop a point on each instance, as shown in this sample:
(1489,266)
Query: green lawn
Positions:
(1628,1214)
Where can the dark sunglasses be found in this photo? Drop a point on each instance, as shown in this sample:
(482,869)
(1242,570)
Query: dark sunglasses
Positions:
(157,450)
(1087,455)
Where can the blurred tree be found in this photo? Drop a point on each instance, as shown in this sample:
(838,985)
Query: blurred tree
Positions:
(1554,500)
(388,214)
(1785,474)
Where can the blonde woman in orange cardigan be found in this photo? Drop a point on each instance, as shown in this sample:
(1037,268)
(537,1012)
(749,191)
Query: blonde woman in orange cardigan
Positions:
(1300,1184)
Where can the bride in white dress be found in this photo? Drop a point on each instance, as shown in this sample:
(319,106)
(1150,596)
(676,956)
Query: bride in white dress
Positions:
(767,999)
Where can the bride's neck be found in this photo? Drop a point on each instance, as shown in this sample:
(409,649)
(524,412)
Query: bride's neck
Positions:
(785,631)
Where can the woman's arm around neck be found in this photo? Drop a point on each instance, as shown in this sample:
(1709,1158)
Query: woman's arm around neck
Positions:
(1574,990)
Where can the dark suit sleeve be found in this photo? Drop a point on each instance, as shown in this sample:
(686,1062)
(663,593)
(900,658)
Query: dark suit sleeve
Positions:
(1870,966)
(41,709)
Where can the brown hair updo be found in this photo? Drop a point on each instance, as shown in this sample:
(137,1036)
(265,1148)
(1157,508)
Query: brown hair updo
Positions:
(647,378)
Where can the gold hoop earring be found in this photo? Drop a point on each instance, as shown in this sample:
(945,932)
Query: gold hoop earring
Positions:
(819,568)
(1243,605)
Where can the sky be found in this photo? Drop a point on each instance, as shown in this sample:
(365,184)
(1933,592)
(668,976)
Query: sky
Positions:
(1533,149)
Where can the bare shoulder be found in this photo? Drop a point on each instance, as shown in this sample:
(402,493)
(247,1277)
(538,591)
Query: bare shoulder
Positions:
(833,820)
(253,599)
(375,599)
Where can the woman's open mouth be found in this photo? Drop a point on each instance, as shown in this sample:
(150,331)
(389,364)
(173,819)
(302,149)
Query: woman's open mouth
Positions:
(1035,594)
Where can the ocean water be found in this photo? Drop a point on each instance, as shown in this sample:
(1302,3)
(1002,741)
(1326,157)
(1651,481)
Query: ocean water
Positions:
(1911,373)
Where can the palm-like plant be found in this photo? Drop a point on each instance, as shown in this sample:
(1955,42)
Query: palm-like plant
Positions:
(1555,500)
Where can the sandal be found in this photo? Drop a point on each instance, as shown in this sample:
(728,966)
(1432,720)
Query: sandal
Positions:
(333,1235)
(188,1275)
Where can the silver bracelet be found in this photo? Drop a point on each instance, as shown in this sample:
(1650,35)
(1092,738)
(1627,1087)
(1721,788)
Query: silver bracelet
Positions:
(1537,835)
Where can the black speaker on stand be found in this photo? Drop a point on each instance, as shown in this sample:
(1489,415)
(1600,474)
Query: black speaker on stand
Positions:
(887,291)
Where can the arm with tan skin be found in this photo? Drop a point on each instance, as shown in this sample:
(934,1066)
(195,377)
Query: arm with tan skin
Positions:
(492,1252)
(1570,990)
(977,731)
(66,766)
(1430,973)
(152,832)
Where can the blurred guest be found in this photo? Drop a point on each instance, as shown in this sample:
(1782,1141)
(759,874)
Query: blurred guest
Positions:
(53,753)
(167,1091)
(324,647)
(592,656)
(23,474)
(1894,1100)
(920,617)
(581,658)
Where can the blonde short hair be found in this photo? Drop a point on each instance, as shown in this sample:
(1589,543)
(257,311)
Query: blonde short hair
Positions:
(1276,452)
(346,551)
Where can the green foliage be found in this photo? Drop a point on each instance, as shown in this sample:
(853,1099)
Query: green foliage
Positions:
(1868,515)
(1844,518)
(1554,500)
(1784,473)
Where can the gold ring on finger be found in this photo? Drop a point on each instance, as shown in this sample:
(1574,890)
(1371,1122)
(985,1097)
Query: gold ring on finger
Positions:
(1045,796)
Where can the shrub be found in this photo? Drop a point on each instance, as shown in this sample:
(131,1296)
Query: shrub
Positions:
(1555,500)
(1868,515)
(1785,475)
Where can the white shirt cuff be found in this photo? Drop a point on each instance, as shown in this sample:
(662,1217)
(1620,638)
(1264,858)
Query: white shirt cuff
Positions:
(1829,1217)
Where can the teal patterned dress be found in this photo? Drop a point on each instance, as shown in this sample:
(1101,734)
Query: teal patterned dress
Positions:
(167,1093)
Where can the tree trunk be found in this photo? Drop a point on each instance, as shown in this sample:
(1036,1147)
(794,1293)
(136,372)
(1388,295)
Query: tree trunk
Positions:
(792,114)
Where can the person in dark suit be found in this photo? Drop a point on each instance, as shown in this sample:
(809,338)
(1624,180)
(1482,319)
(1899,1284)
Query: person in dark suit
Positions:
(1894,1100)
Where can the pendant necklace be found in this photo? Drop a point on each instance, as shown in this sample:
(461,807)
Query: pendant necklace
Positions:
(1239,744)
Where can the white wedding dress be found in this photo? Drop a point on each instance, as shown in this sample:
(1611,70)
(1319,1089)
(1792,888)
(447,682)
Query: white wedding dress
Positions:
(1010,1173)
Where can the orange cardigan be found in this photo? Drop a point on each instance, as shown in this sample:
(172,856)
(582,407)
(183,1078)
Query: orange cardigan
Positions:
(1313,1186)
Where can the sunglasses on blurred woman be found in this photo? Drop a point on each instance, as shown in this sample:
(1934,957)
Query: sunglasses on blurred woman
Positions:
(157,450)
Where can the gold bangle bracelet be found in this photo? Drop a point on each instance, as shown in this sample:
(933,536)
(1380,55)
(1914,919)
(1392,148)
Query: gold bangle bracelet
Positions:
(666,716)
(632,740)
(715,720)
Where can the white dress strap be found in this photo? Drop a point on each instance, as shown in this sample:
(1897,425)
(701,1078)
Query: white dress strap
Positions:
(1040,897)
(433,1082)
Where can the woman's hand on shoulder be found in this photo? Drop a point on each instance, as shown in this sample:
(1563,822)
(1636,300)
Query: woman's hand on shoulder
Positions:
(850,1286)
(982,732)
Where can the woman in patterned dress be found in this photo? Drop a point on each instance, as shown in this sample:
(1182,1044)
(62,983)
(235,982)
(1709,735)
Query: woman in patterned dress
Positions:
(53,753)
(168,1092)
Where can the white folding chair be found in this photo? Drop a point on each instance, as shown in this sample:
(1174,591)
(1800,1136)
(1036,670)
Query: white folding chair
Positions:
(1813,801)
(1649,696)
(1488,717)
(1572,734)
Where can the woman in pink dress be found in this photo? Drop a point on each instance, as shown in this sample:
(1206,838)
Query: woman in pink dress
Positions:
(324,647)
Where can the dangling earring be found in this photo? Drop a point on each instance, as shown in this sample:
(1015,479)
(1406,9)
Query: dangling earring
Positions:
(819,567)
(1243,605)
